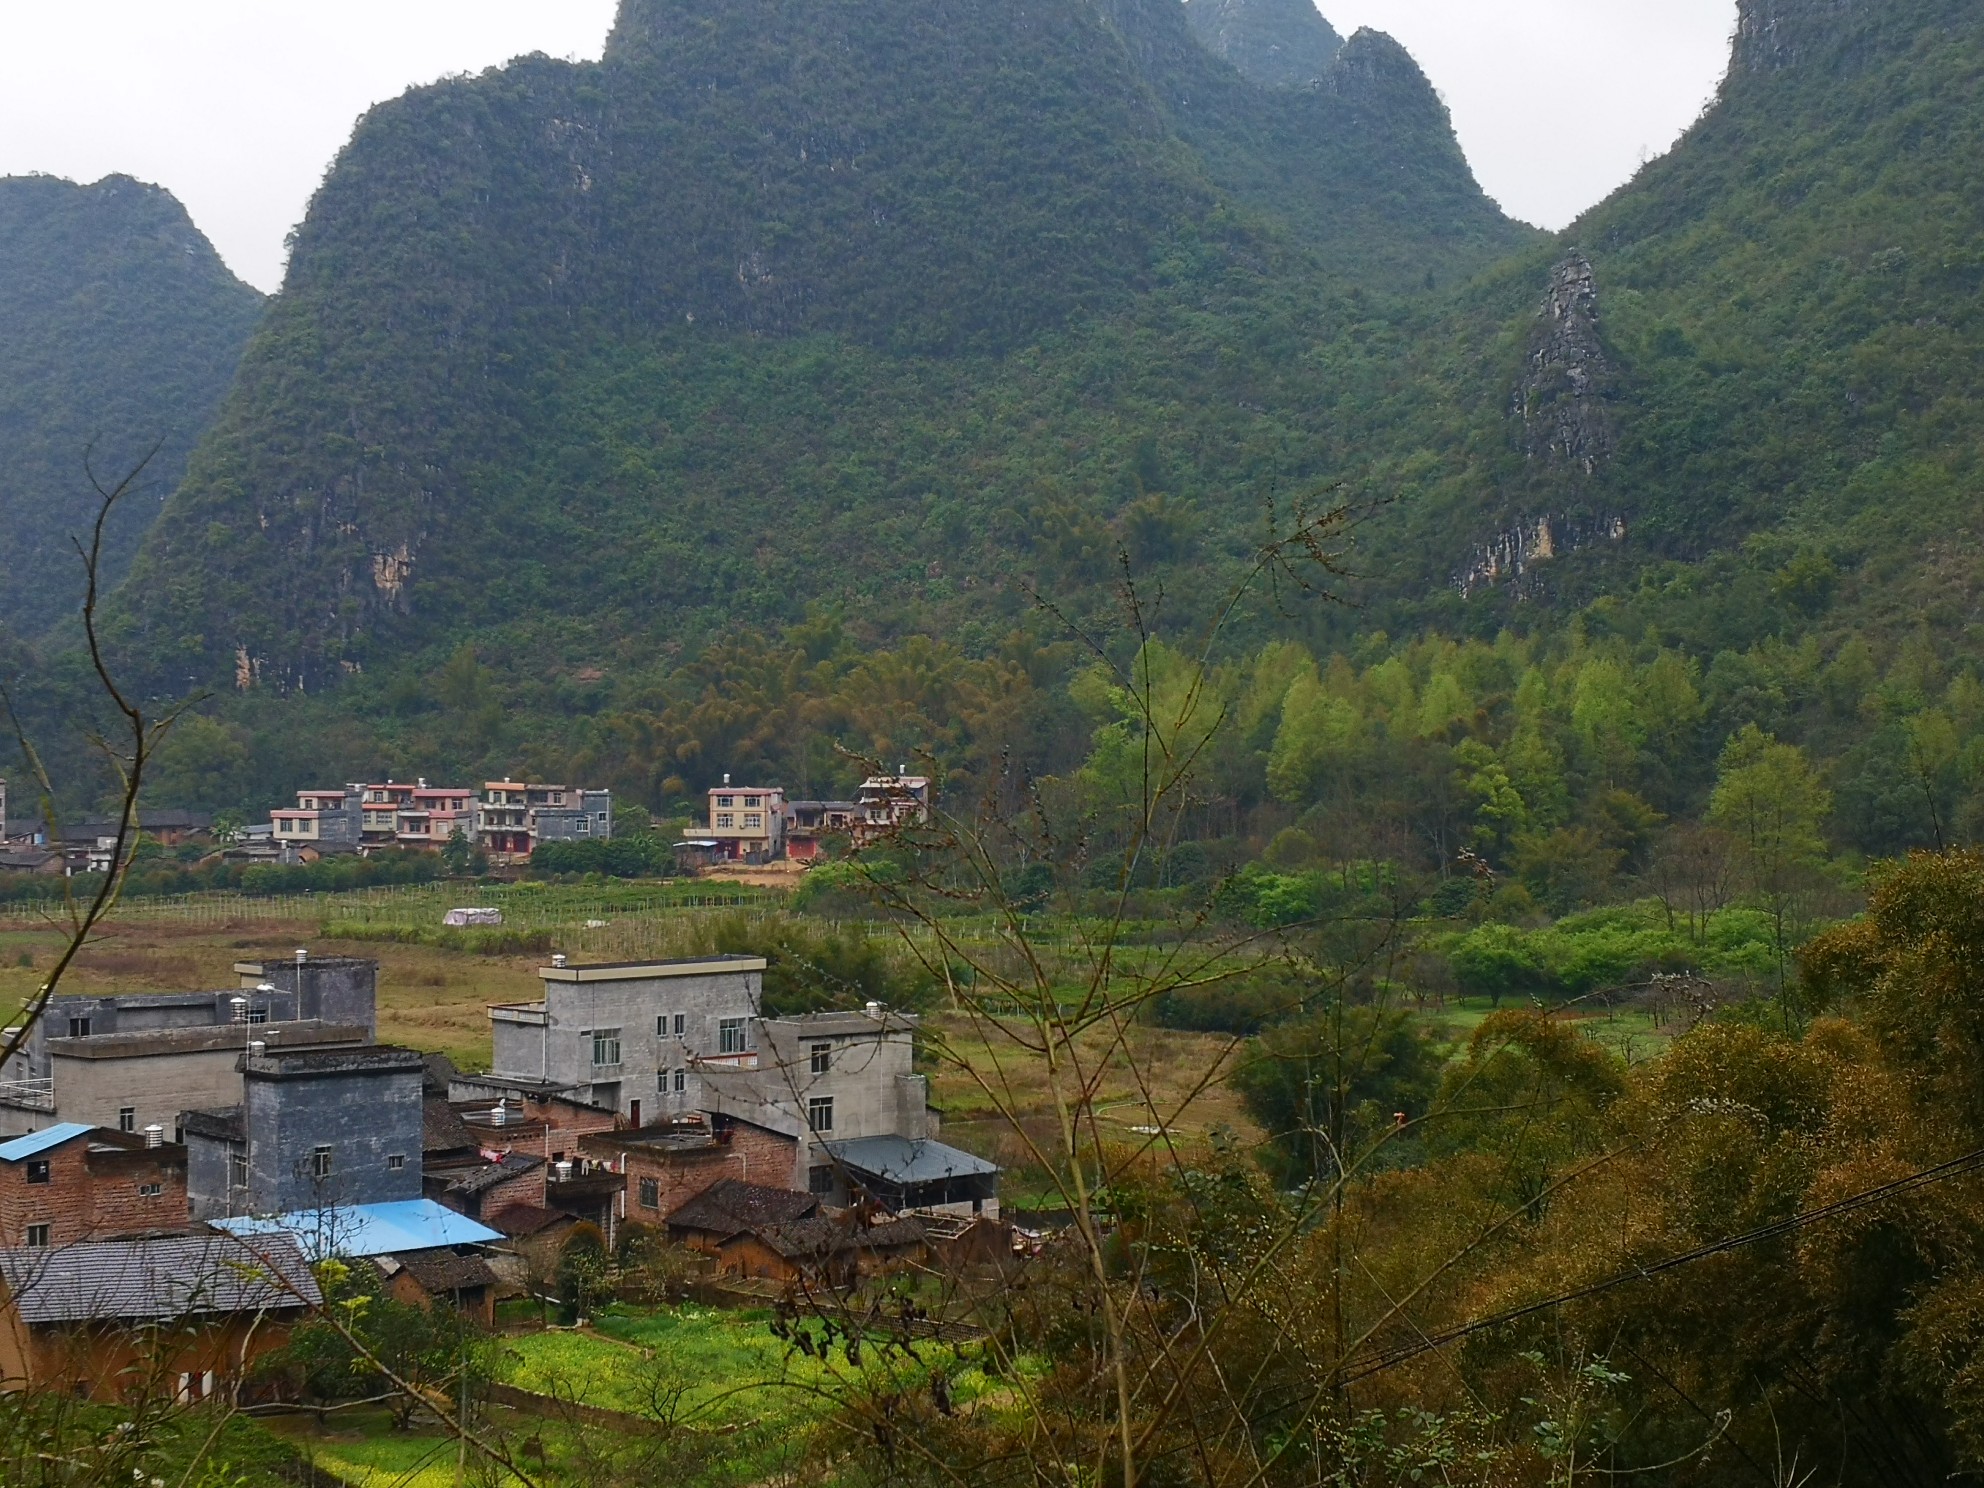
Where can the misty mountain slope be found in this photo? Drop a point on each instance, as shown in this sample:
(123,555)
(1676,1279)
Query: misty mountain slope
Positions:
(725,318)
(119,326)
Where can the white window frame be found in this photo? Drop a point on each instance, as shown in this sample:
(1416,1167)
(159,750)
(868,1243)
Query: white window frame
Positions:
(820,1058)
(605,1041)
(730,1035)
(820,1113)
(321,1165)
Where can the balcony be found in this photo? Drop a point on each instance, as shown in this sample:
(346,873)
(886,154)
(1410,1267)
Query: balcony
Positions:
(32,1095)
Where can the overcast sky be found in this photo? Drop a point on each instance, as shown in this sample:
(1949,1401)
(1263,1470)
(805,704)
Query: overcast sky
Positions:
(237,106)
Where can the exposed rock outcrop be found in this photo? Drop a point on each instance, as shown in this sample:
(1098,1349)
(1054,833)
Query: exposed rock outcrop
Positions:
(1562,403)
(1513,554)
(1276,43)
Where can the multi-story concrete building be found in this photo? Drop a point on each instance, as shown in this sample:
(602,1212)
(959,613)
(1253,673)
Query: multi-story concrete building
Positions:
(632,1037)
(746,823)
(316,1129)
(321,818)
(513,816)
(844,1085)
(889,802)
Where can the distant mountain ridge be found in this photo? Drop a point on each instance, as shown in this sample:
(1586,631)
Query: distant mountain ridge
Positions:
(120,328)
(927,180)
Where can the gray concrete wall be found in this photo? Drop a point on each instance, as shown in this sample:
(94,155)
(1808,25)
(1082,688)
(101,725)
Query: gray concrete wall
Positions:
(161,1086)
(562,1051)
(337,989)
(138,1012)
(207,1176)
(364,1117)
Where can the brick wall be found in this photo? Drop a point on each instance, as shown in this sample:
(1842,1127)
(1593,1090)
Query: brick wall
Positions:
(752,1154)
(93,1196)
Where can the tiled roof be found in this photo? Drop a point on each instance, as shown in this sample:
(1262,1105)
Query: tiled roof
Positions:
(442,1271)
(442,1128)
(36,1143)
(482,1179)
(732,1206)
(819,1237)
(520,1221)
(908,1159)
(137,1280)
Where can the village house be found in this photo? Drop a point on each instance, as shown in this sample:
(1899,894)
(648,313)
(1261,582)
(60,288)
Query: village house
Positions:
(888,803)
(73,1182)
(746,824)
(844,1086)
(512,817)
(430,1278)
(132,1061)
(316,1129)
(809,823)
(183,1317)
(629,1037)
(665,1167)
(777,1234)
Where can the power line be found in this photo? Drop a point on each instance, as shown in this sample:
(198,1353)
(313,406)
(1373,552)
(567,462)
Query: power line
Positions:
(1391,1358)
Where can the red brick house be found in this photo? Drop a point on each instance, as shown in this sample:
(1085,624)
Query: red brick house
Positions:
(666,1166)
(73,1182)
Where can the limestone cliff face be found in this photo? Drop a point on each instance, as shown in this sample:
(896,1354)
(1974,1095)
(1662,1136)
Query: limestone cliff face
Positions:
(1562,402)
(1836,36)
(1276,43)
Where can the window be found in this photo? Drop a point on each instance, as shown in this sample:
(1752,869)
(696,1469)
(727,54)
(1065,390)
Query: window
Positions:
(820,1113)
(38,1235)
(150,1190)
(79,1028)
(681,1081)
(680,1023)
(661,1025)
(823,1058)
(394,1162)
(237,1169)
(258,1014)
(38,1171)
(605,1046)
(320,1162)
(661,1081)
(127,1118)
(752,801)
(726,800)
(650,1193)
(730,1036)
(725,819)
(820,1181)
(754,821)
(585,826)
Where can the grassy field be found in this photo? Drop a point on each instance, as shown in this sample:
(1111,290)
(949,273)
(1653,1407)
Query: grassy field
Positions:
(435,996)
(733,1403)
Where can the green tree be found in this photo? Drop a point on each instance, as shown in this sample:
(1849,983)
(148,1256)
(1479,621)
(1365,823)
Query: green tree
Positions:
(1324,1086)
(1774,807)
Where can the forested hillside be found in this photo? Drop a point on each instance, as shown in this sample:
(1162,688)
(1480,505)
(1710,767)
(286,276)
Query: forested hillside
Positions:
(1698,466)
(119,327)
(783,301)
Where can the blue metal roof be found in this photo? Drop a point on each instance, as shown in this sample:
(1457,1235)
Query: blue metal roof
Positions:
(35,1143)
(359,1230)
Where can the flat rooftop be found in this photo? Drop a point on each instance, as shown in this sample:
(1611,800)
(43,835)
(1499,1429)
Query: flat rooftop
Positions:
(634,971)
(146,1043)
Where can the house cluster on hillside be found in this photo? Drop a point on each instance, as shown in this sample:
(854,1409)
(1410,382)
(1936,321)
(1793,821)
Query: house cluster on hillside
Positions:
(506,819)
(757,824)
(185,1155)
